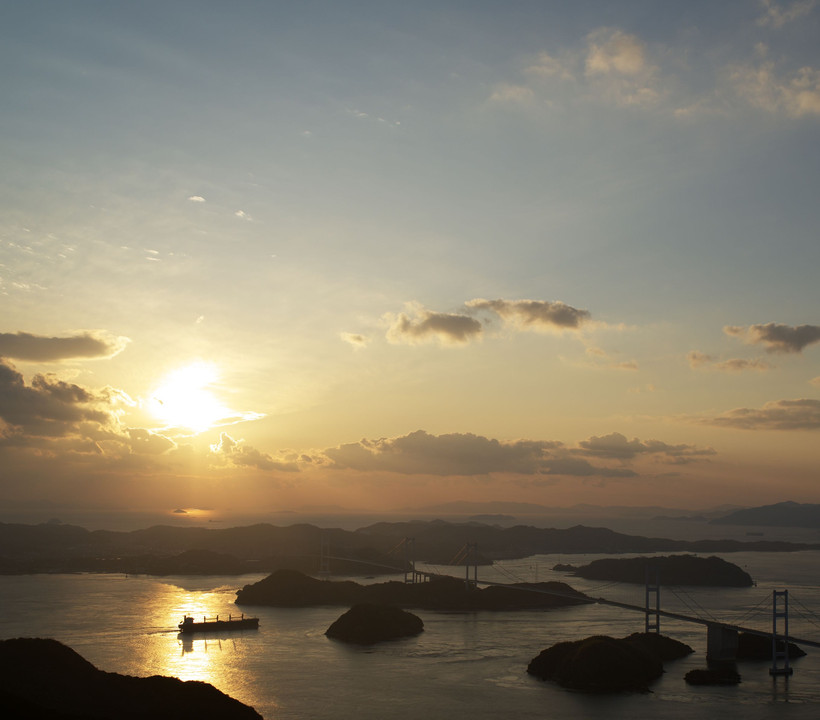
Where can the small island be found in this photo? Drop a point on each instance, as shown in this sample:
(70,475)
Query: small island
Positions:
(42,678)
(602,664)
(366,624)
(291,588)
(672,569)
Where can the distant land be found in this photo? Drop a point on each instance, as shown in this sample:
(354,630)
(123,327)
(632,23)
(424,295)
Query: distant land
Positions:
(374,549)
(507,508)
(784,514)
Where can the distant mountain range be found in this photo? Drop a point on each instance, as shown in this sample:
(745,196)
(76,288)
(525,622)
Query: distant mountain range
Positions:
(503,507)
(784,514)
(377,548)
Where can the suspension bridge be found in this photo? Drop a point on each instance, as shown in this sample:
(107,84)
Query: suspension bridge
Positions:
(722,636)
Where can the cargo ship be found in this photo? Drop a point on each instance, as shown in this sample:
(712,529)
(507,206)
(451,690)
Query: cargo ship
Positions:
(189,625)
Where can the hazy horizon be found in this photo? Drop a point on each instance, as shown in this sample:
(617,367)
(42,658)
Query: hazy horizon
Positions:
(263,256)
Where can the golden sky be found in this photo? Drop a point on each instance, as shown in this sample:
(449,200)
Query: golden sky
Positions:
(257,257)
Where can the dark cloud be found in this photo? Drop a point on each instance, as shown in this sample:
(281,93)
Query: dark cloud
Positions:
(777,415)
(776,337)
(464,454)
(241,455)
(534,314)
(50,407)
(698,360)
(615,446)
(36,348)
(426,325)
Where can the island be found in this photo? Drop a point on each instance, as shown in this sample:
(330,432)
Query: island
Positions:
(672,570)
(290,588)
(602,664)
(42,678)
(366,624)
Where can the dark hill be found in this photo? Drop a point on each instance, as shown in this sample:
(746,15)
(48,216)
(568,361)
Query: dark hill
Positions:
(366,624)
(785,514)
(266,548)
(601,664)
(289,588)
(41,678)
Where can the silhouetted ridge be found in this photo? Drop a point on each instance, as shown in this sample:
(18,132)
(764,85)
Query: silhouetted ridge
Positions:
(42,678)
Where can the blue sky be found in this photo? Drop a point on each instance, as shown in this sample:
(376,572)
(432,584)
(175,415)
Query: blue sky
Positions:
(400,238)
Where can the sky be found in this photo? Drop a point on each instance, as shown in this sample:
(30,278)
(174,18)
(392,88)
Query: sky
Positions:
(261,256)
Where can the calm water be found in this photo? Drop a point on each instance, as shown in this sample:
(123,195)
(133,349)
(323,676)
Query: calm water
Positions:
(463,665)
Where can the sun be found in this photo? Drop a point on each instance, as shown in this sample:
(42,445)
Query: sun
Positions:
(185,398)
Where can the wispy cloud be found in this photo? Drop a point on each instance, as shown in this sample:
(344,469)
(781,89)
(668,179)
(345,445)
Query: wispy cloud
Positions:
(542,315)
(197,199)
(776,337)
(801,414)
(422,326)
(355,339)
(777,15)
(702,361)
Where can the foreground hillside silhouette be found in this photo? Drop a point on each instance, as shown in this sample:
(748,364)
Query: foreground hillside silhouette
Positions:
(42,678)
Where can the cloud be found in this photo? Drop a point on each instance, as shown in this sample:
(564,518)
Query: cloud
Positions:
(761,86)
(150,443)
(534,314)
(698,360)
(36,348)
(616,446)
(551,67)
(616,64)
(815,381)
(197,198)
(50,407)
(776,337)
(236,453)
(355,339)
(457,454)
(517,94)
(777,415)
(599,358)
(614,52)
(451,454)
(776,15)
(422,326)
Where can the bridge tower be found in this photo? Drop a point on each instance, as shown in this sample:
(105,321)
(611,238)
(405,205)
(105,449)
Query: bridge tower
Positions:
(409,564)
(778,613)
(471,558)
(653,589)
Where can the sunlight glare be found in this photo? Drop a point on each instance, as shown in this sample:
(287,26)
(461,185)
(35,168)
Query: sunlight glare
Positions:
(185,399)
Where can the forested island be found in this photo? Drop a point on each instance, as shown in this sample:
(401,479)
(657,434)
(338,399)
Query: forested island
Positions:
(672,570)
(264,548)
(290,588)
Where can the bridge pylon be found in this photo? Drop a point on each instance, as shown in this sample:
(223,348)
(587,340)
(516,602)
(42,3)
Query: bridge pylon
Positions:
(653,590)
(780,612)
(409,564)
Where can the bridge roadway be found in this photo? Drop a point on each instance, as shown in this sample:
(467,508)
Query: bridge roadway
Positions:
(663,613)
(612,603)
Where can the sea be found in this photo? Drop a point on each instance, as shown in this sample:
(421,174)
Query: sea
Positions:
(464,664)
